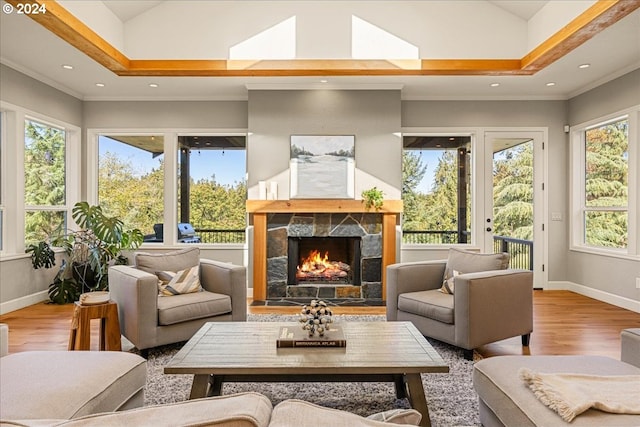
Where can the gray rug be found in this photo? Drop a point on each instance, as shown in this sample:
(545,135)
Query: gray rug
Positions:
(451,398)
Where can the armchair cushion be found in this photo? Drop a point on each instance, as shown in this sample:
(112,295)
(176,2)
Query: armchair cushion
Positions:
(432,304)
(192,306)
(168,261)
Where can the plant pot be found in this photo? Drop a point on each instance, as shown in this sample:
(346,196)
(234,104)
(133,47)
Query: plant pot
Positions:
(85,277)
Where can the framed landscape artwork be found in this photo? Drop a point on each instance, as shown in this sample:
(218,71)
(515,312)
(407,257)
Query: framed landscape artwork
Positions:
(322,166)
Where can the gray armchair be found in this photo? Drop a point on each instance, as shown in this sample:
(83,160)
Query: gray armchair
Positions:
(149,320)
(486,306)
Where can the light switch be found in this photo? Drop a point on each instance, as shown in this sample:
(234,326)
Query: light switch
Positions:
(556,216)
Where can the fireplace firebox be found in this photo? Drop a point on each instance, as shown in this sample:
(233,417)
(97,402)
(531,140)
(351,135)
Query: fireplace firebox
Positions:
(324,260)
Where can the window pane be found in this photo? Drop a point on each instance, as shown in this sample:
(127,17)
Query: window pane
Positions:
(606,174)
(44,165)
(436,191)
(606,229)
(42,225)
(212,189)
(131,179)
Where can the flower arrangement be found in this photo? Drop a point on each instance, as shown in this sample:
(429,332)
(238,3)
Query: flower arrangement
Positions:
(316,317)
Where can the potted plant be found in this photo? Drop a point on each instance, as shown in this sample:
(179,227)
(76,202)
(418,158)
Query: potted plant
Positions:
(373,198)
(90,251)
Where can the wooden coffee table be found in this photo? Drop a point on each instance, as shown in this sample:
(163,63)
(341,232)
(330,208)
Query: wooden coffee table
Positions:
(246,352)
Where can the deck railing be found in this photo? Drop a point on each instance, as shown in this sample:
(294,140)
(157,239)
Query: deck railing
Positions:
(213,235)
(521,251)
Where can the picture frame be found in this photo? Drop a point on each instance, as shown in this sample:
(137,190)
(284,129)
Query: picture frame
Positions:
(322,167)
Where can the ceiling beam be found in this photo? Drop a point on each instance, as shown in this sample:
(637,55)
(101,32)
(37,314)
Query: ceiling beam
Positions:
(595,19)
(601,15)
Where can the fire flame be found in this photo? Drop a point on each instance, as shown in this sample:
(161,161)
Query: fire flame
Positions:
(316,265)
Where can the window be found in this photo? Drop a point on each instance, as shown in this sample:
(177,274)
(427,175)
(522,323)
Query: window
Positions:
(131,181)
(602,167)
(45,190)
(606,185)
(436,189)
(212,189)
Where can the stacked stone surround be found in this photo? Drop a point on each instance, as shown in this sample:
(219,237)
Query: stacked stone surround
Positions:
(367,226)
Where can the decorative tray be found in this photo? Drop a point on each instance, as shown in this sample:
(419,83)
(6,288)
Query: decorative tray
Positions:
(94,298)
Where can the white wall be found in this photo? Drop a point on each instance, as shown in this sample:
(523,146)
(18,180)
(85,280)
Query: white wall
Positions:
(372,116)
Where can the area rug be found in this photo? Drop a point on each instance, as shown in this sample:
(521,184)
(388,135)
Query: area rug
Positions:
(451,398)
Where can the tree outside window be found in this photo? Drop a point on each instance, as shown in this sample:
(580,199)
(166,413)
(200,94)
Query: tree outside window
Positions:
(606,185)
(44,181)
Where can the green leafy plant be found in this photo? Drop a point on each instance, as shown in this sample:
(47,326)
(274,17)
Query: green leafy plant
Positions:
(41,255)
(97,245)
(373,198)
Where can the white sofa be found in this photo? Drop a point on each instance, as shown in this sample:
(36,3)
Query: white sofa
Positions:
(91,388)
(505,400)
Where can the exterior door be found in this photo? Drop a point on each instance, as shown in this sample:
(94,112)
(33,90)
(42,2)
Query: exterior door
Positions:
(514,199)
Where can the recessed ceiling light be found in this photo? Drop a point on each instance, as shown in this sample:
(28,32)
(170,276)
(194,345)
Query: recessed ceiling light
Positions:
(100,84)
(584,65)
(551,84)
(67,66)
(323,81)
(153,85)
(494,84)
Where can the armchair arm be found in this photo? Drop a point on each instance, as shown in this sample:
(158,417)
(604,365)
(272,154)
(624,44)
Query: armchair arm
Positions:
(411,277)
(492,305)
(136,293)
(228,279)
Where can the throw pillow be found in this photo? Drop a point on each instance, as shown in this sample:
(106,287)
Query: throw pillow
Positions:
(473,262)
(398,416)
(168,261)
(448,285)
(181,282)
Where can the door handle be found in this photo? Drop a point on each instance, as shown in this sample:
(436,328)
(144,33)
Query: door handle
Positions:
(488,228)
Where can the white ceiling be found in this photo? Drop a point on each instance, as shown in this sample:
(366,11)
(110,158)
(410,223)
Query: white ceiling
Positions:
(31,49)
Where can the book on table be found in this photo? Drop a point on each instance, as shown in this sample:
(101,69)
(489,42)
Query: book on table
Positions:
(294,336)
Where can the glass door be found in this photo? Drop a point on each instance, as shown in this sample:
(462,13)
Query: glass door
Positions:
(513,210)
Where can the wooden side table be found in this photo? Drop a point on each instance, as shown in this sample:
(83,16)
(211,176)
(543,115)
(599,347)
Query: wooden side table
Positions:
(80,335)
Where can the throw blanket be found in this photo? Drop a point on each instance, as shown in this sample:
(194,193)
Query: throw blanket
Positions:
(572,394)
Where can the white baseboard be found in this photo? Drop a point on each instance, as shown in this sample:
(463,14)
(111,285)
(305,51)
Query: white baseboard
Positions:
(626,303)
(22,302)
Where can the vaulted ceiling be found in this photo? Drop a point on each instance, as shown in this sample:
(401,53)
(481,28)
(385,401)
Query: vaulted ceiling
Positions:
(428,49)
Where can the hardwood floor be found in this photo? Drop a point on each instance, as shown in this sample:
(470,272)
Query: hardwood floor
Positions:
(564,323)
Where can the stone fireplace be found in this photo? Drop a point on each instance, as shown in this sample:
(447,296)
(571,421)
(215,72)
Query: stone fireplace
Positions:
(343,254)
(356,244)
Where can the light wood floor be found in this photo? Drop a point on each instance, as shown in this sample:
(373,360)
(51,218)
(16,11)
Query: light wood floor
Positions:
(564,323)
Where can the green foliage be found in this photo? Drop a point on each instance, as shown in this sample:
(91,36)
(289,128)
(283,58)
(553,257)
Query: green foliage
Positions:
(373,198)
(91,250)
(41,255)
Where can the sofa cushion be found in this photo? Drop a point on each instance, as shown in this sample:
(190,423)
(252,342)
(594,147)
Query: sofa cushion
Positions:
(432,304)
(293,412)
(234,410)
(497,383)
(75,383)
(181,282)
(167,261)
(197,305)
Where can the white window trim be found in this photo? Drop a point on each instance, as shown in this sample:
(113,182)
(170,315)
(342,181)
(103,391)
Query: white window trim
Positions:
(577,190)
(13,166)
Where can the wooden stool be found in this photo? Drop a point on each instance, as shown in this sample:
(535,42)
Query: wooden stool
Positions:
(80,335)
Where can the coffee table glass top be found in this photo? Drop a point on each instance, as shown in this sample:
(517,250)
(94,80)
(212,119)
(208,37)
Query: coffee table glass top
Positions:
(243,348)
